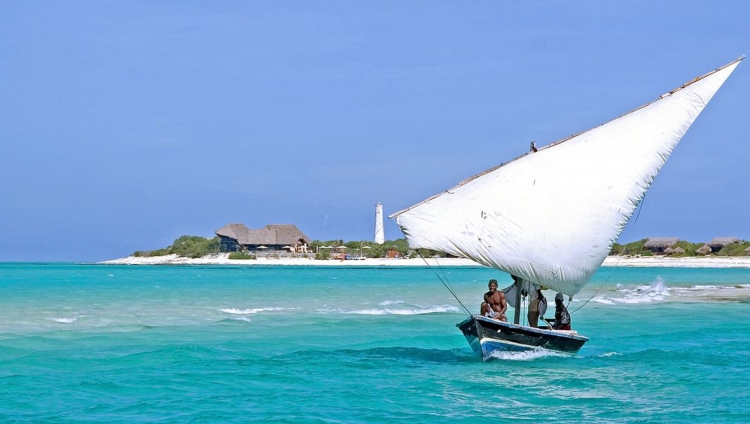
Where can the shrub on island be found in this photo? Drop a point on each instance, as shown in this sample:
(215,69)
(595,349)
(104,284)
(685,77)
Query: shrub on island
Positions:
(734,249)
(241,255)
(186,246)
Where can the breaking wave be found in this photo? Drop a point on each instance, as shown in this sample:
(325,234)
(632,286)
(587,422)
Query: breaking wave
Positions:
(390,302)
(239,318)
(235,311)
(654,292)
(527,355)
(658,291)
(405,311)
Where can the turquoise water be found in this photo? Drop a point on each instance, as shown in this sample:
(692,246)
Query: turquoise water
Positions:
(94,343)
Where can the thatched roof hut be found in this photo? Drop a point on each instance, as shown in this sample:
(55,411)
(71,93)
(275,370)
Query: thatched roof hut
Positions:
(668,251)
(659,244)
(278,234)
(704,250)
(747,251)
(237,232)
(679,250)
(272,236)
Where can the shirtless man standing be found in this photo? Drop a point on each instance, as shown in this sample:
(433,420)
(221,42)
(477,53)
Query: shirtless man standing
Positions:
(494,305)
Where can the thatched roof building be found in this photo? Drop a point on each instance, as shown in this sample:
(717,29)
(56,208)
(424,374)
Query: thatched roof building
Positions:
(704,250)
(237,232)
(747,251)
(717,243)
(659,244)
(271,237)
(679,250)
(668,251)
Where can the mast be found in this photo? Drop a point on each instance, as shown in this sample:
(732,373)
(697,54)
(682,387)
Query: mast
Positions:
(517,313)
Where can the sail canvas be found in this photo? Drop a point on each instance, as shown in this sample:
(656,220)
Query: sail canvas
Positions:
(551,216)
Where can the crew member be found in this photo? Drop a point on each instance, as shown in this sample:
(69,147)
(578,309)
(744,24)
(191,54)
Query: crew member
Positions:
(494,305)
(562,317)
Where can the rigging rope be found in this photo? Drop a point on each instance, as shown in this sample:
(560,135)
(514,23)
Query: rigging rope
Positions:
(445,282)
(444,278)
(584,303)
(619,256)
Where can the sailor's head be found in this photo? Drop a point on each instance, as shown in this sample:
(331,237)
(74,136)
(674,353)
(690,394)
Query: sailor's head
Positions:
(559,298)
(492,284)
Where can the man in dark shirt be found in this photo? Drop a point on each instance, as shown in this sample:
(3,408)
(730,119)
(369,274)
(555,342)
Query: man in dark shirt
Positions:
(562,317)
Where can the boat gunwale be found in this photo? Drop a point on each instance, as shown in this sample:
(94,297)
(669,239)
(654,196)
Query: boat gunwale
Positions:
(554,333)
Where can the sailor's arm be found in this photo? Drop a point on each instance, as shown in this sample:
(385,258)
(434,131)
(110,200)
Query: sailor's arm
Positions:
(503,303)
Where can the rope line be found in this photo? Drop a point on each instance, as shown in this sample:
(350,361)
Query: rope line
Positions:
(619,256)
(445,282)
(584,303)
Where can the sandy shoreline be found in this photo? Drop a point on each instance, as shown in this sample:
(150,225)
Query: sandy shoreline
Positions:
(223,259)
(612,261)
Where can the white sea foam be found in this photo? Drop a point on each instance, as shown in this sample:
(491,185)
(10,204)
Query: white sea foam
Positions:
(390,302)
(235,311)
(658,291)
(241,318)
(604,355)
(414,311)
(527,355)
(707,292)
(710,287)
(654,292)
(65,320)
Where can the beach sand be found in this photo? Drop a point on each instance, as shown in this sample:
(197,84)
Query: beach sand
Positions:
(611,261)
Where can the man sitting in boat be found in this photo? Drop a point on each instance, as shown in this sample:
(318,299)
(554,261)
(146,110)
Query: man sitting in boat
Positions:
(562,317)
(494,305)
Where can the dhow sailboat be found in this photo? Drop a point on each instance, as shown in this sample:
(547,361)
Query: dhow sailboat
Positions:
(550,217)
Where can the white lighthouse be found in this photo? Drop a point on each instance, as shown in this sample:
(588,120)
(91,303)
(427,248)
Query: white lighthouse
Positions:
(379,235)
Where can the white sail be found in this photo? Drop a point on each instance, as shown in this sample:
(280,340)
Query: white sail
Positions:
(379,233)
(551,216)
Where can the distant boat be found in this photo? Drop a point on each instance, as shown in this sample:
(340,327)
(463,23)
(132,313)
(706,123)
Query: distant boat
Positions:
(550,216)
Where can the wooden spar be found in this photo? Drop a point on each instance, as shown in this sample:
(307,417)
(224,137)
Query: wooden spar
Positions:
(468,180)
(517,306)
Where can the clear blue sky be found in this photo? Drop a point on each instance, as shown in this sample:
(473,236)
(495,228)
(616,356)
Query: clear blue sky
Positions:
(125,124)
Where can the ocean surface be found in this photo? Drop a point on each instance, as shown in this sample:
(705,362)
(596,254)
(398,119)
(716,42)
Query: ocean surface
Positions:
(129,344)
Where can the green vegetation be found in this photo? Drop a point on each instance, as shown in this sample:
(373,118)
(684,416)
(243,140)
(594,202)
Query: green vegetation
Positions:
(369,249)
(323,254)
(632,249)
(636,248)
(689,248)
(241,255)
(147,253)
(196,247)
(734,249)
(186,246)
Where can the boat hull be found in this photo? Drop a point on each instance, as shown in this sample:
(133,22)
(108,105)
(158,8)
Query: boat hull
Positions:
(486,335)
